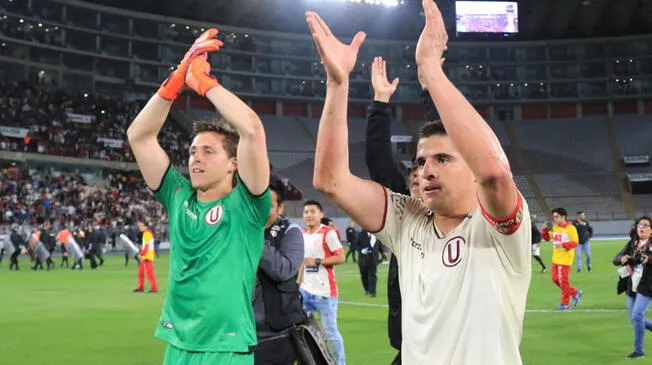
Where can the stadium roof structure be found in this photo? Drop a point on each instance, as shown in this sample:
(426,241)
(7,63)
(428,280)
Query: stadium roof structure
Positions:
(538,19)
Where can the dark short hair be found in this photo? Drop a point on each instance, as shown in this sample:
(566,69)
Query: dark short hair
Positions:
(223,128)
(561,211)
(432,128)
(326,221)
(276,185)
(313,202)
(579,212)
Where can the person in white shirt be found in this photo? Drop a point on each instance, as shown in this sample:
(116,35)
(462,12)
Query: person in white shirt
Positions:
(322,251)
(464,250)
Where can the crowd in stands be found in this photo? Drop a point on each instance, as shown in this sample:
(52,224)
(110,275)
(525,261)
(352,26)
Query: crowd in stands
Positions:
(80,125)
(29,197)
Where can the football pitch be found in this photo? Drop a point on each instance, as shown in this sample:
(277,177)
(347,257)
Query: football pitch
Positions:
(92,317)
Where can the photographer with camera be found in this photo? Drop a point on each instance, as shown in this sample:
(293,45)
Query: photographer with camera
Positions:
(276,300)
(636,280)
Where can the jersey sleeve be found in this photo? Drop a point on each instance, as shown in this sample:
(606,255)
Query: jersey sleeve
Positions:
(512,235)
(172,184)
(256,208)
(399,209)
(333,243)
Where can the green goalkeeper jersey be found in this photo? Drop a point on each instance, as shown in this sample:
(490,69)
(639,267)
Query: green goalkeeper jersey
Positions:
(215,249)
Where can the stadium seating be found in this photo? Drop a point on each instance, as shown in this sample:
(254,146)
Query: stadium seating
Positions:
(564,145)
(633,132)
(572,167)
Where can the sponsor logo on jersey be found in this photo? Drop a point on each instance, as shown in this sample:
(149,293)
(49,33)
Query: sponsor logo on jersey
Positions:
(417,246)
(166,324)
(189,212)
(452,253)
(214,215)
(400,202)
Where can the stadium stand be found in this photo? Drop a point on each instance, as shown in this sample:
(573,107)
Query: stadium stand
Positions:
(69,60)
(29,196)
(63,123)
(633,134)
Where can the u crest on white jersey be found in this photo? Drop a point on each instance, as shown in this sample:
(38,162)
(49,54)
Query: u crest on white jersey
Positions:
(214,215)
(452,253)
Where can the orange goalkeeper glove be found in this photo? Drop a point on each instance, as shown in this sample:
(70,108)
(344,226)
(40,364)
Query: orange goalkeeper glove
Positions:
(173,85)
(199,76)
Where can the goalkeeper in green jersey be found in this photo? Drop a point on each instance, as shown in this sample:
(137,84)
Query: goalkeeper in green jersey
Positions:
(216,218)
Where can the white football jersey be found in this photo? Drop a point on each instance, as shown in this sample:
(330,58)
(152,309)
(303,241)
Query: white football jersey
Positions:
(463,293)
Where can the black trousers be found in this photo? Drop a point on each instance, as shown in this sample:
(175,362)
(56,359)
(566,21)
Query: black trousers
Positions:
(13,259)
(368,270)
(127,258)
(275,352)
(352,252)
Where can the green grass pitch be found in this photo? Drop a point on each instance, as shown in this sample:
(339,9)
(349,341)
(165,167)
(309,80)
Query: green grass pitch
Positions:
(92,317)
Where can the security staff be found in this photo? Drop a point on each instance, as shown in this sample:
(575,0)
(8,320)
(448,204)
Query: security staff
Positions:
(371,251)
(351,238)
(49,241)
(19,242)
(276,300)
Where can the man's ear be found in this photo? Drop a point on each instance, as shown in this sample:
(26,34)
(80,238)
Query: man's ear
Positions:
(233,161)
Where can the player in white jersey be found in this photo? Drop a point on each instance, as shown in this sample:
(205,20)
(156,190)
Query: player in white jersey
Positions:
(322,251)
(464,250)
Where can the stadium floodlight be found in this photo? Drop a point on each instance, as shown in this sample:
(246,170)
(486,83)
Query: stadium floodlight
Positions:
(388,3)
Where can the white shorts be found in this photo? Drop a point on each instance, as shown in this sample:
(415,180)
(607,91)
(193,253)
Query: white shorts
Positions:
(536,250)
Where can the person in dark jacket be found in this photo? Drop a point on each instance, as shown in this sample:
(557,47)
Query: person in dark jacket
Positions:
(636,280)
(276,301)
(47,237)
(370,250)
(351,236)
(18,242)
(49,241)
(95,241)
(536,244)
(584,232)
(384,169)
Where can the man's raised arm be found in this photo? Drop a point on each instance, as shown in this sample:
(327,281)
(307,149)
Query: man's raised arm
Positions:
(253,163)
(379,156)
(471,135)
(143,131)
(362,200)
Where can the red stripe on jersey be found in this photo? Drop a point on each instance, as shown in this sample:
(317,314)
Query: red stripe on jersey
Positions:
(328,253)
(509,224)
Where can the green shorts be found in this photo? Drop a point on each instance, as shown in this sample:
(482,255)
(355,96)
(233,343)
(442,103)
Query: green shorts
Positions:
(177,356)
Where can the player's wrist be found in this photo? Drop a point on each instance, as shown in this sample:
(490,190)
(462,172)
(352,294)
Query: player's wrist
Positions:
(172,87)
(382,97)
(212,90)
(337,82)
(429,73)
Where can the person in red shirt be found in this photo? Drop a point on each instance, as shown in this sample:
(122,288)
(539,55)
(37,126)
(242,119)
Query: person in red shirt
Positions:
(147,254)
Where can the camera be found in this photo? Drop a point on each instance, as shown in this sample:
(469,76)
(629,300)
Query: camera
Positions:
(637,258)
